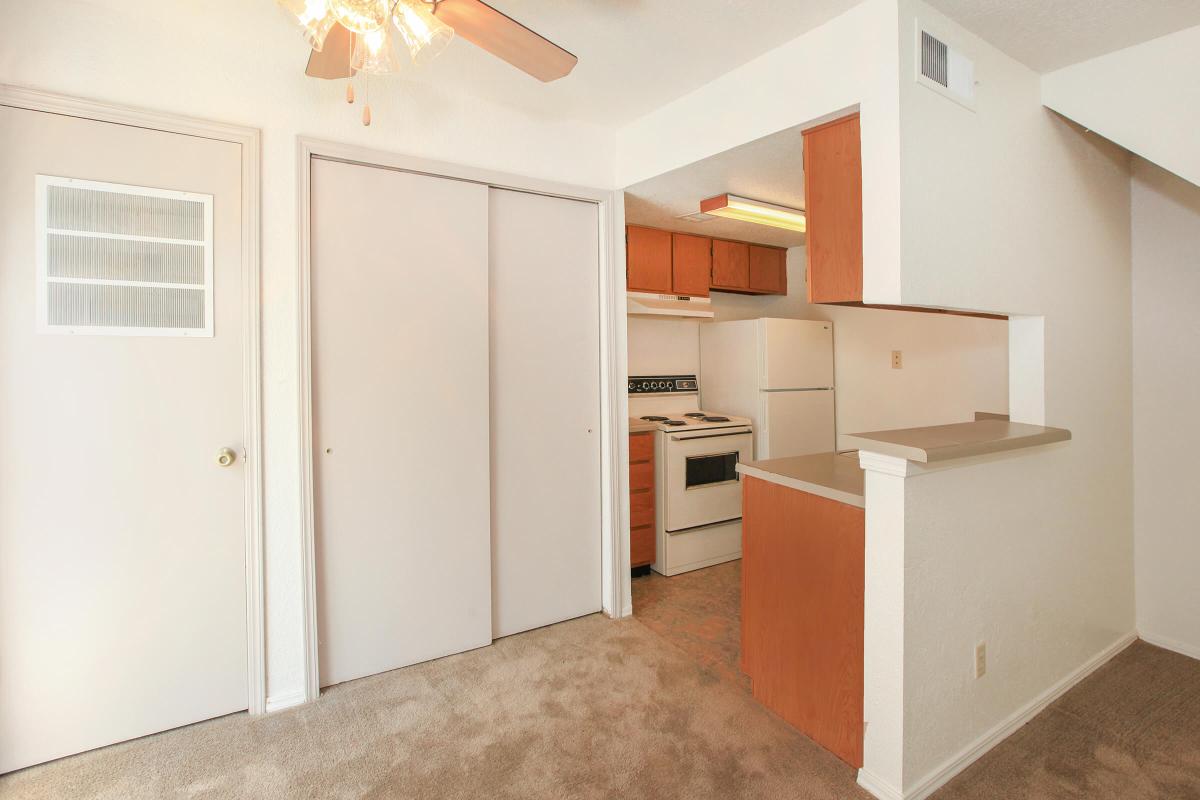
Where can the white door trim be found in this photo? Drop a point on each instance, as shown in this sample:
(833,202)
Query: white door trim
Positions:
(614,527)
(249,139)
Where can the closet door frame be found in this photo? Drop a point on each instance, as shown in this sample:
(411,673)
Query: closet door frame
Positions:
(614,524)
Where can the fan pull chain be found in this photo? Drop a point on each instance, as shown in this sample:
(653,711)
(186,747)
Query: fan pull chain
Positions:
(366,92)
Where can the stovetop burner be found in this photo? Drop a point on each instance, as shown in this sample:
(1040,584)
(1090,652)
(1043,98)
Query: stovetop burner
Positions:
(712,419)
(695,414)
(674,422)
(653,418)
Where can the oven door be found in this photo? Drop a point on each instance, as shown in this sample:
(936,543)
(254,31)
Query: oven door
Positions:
(702,485)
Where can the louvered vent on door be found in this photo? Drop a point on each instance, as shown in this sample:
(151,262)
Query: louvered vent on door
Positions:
(123,260)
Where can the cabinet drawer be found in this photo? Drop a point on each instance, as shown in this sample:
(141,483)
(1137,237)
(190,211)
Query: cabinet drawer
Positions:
(641,476)
(641,447)
(641,508)
(641,546)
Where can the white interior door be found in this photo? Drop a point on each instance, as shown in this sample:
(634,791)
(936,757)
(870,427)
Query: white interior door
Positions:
(796,424)
(545,383)
(400,417)
(122,541)
(796,354)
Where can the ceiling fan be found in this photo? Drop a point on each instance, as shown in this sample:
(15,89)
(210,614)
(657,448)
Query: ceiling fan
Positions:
(355,37)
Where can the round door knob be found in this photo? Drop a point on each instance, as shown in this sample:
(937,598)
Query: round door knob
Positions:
(226,457)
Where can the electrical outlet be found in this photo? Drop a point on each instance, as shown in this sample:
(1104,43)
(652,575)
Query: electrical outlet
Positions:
(897,359)
(980,659)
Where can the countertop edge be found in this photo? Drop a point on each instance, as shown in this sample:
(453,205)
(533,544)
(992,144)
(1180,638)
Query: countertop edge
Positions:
(804,486)
(938,454)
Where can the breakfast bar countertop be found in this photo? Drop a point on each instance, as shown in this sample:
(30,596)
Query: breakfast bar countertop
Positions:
(836,476)
(959,440)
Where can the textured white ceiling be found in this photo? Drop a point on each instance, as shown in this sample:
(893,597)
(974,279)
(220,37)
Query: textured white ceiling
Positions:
(634,55)
(769,169)
(1048,34)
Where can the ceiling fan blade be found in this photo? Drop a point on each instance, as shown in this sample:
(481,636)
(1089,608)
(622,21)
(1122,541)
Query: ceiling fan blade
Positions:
(505,38)
(333,60)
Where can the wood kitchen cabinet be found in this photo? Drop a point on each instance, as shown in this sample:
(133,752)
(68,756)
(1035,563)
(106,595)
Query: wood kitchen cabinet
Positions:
(730,265)
(647,260)
(833,207)
(691,264)
(641,499)
(768,270)
(684,264)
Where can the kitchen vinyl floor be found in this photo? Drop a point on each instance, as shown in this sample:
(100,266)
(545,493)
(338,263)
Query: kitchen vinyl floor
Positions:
(700,613)
(594,708)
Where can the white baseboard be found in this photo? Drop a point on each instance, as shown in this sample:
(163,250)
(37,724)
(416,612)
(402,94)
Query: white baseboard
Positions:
(970,754)
(279,702)
(1167,643)
(878,786)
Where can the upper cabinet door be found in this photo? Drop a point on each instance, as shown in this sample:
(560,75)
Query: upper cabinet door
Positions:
(691,264)
(730,265)
(833,205)
(648,260)
(768,269)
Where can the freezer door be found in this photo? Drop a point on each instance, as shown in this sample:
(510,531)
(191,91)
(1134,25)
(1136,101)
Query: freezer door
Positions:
(796,424)
(795,354)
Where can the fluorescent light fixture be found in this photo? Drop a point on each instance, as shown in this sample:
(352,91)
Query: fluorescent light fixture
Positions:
(744,209)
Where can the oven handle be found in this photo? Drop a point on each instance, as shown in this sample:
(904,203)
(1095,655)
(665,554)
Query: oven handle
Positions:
(741,432)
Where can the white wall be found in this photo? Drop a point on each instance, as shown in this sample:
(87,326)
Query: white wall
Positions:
(241,62)
(659,346)
(1011,209)
(1145,98)
(1166,397)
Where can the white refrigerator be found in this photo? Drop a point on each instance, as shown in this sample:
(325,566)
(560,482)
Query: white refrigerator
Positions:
(777,372)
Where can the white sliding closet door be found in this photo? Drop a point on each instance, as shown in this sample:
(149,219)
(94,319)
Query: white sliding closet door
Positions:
(400,417)
(545,382)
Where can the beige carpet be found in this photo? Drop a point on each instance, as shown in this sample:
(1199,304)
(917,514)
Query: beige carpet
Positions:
(600,709)
(1130,731)
(585,709)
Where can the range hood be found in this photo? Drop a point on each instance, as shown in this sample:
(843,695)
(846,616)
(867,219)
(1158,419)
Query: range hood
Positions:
(644,304)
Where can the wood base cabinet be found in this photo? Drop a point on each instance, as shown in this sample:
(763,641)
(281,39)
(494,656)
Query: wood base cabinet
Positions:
(802,611)
(641,499)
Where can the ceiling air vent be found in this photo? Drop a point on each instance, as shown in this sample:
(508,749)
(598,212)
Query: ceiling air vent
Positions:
(945,70)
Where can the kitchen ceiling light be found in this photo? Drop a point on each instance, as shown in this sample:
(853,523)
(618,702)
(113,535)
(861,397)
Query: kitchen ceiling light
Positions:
(744,209)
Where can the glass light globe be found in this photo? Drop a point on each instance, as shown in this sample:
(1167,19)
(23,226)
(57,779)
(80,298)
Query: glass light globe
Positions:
(374,53)
(421,31)
(312,16)
(360,16)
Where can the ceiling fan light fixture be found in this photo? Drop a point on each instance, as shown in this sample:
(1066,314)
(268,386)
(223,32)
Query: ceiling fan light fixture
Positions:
(744,209)
(421,31)
(360,16)
(313,18)
(374,53)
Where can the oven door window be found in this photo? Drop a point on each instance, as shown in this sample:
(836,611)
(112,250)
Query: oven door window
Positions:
(711,469)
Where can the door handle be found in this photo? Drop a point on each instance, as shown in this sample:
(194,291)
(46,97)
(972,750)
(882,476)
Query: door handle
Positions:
(226,457)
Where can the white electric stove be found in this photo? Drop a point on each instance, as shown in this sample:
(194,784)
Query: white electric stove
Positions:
(698,494)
